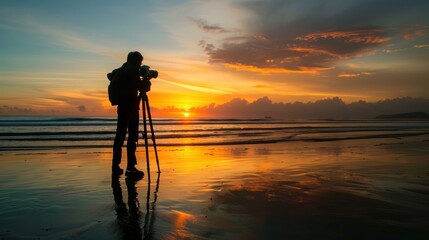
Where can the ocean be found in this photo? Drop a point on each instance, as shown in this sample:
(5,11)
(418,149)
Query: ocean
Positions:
(24,133)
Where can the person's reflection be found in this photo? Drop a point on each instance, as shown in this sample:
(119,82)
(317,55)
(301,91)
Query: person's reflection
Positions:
(129,220)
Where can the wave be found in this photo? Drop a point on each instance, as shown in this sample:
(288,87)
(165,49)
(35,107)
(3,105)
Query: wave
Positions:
(209,135)
(227,129)
(111,137)
(233,142)
(77,132)
(8,121)
(52,119)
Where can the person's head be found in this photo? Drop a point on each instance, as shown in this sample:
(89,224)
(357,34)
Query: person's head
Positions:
(135,58)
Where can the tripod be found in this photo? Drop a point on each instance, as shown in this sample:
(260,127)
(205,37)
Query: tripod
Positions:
(146,108)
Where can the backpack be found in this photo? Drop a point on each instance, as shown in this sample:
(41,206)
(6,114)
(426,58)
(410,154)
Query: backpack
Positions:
(116,89)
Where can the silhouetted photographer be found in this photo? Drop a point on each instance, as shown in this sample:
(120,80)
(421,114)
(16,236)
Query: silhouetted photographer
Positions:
(125,85)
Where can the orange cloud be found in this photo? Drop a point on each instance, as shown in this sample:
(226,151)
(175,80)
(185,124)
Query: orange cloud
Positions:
(262,86)
(195,88)
(352,65)
(414,31)
(71,103)
(249,68)
(313,51)
(310,53)
(374,35)
(347,75)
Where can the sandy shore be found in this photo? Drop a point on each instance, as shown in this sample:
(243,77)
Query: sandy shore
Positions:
(357,189)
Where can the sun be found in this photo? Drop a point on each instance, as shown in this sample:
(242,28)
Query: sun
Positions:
(186,114)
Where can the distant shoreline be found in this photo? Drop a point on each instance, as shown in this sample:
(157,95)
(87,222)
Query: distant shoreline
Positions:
(408,115)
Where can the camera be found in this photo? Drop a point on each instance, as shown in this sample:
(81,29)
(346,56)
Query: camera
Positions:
(145,72)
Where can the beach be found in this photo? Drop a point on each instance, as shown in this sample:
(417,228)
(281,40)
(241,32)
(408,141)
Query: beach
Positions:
(248,119)
(374,188)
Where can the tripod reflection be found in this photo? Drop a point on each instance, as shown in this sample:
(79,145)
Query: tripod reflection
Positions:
(129,218)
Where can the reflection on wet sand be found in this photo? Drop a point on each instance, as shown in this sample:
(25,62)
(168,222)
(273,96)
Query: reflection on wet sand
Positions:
(332,190)
(129,220)
(150,209)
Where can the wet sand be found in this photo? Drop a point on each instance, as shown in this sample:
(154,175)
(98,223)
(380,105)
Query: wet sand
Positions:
(355,189)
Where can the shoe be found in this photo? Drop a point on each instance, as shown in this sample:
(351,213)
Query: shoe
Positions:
(117,170)
(134,172)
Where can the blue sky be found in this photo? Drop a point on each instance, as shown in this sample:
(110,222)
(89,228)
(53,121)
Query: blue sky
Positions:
(55,54)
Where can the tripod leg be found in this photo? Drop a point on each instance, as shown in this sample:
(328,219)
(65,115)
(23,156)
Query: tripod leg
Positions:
(152,132)
(144,98)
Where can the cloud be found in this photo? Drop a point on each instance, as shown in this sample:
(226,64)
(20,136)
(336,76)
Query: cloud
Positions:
(262,86)
(69,103)
(411,32)
(342,44)
(334,108)
(347,75)
(195,88)
(371,35)
(394,50)
(289,36)
(269,70)
(202,24)
(423,46)
(13,110)
(309,53)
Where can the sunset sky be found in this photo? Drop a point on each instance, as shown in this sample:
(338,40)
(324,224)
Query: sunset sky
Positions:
(55,54)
